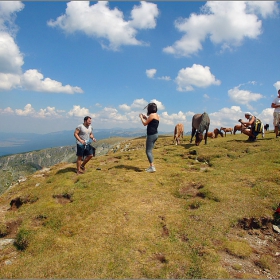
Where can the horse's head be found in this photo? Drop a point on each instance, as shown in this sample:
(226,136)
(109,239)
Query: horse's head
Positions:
(221,133)
(198,138)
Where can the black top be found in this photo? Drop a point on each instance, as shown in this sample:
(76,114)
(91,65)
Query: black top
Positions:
(152,127)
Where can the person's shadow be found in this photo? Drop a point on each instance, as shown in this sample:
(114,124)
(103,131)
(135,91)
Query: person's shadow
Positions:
(66,170)
(127,167)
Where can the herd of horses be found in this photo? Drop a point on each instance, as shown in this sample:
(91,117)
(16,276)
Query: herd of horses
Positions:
(201,123)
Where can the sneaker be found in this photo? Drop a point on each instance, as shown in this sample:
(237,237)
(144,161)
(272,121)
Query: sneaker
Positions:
(151,169)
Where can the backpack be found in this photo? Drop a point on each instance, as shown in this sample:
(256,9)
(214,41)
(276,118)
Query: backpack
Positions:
(258,126)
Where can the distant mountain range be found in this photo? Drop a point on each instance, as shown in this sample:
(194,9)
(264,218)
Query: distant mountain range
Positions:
(14,143)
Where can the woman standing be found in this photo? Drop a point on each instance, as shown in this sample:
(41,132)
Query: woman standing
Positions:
(152,122)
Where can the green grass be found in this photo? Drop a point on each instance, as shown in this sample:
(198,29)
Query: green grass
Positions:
(121,222)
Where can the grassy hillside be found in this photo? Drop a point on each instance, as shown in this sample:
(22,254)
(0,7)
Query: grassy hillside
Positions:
(16,167)
(206,213)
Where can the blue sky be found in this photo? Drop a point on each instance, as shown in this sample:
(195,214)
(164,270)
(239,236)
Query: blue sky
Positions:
(61,61)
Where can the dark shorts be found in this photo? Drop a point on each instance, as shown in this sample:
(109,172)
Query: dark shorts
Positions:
(84,151)
(255,133)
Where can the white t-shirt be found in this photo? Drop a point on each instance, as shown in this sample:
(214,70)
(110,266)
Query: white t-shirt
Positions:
(84,133)
(277,102)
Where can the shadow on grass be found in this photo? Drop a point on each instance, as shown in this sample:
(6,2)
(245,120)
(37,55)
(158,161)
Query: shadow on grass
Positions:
(190,145)
(66,170)
(247,141)
(128,167)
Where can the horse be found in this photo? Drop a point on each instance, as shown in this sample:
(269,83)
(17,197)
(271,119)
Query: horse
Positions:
(200,122)
(225,129)
(237,128)
(178,133)
(217,132)
(266,127)
(210,134)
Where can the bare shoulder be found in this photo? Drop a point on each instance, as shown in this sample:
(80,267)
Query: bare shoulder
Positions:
(154,116)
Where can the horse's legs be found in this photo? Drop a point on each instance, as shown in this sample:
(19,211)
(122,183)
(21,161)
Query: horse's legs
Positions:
(193,132)
(206,135)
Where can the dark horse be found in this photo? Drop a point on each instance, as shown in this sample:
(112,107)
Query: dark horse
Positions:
(200,122)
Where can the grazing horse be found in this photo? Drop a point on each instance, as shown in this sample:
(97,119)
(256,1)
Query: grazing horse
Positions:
(217,132)
(200,122)
(210,134)
(237,128)
(178,133)
(226,129)
(266,127)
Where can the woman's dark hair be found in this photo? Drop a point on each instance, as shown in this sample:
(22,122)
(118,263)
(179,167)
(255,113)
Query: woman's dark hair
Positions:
(151,108)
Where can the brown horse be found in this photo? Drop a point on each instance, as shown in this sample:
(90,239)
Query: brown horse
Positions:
(210,134)
(226,129)
(217,132)
(200,122)
(237,128)
(178,133)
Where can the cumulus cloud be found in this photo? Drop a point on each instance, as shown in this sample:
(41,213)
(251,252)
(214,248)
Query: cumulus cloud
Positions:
(28,110)
(151,73)
(31,112)
(266,115)
(243,97)
(124,107)
(33,80)
(101,22)
(48,112)
(160,106)
(197,76)
(77,111)
(172,119)
(7,110)
(12,60)
(226,23)
(139,103)
(7,14)
(277,85)
(226,116)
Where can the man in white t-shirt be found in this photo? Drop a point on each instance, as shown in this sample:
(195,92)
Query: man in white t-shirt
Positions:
(83,134)
(276,114)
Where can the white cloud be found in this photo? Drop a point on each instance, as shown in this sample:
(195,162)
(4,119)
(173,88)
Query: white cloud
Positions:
(7,110)
(226,23)
(160,106)
(33,80)
(277,86)
(139,103)
(9,81)
(28,110)
(124,107)
(11,60)
(226,117)
(266,116)
(7,13)
(101,22)
(144,16)
(77,111)
(48,112)
(165,78)
(243,97)
(197,75)
(151,73)
(263,8)
(173,118)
